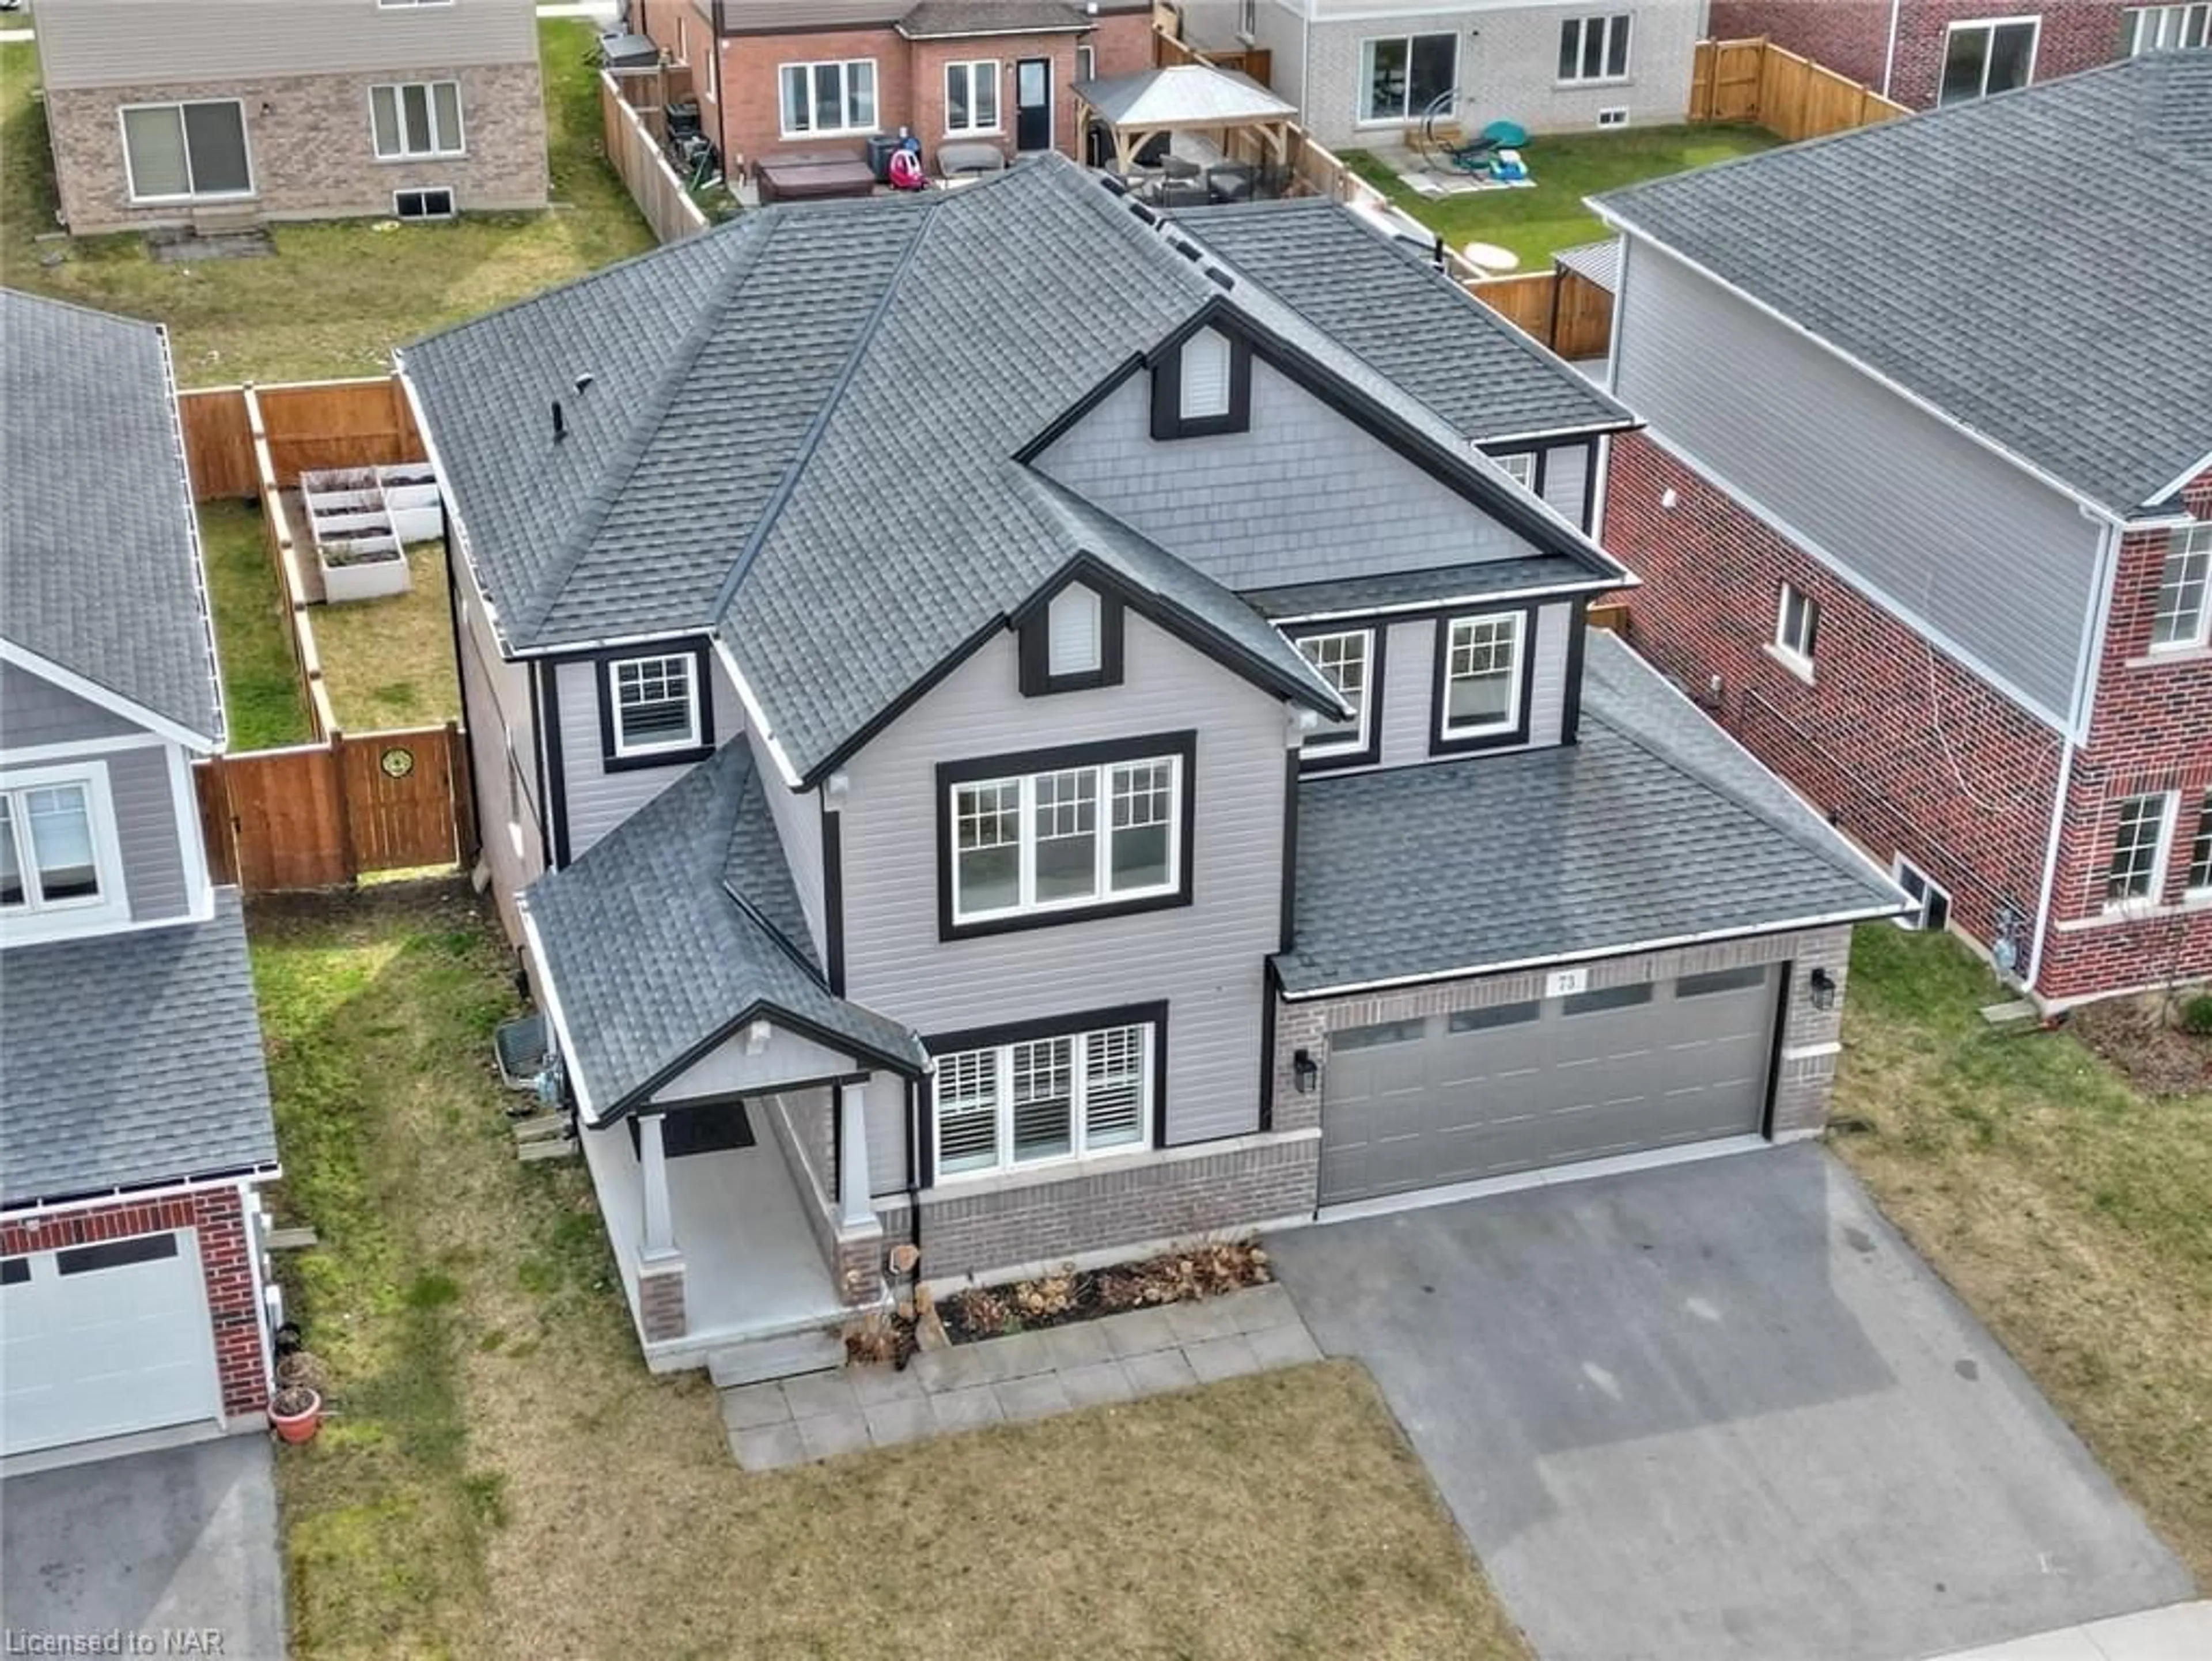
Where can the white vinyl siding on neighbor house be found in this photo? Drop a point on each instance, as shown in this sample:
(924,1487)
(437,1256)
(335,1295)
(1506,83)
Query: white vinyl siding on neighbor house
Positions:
(2140,845)
(414,120)
(186,152)
(818,98)
(1205,961)
(971,96)
(1988,55)
(1401,77)
(1594,49)
(2165,28)
(1066,839)
(1345,659)
(1043,1100)
(2182,615)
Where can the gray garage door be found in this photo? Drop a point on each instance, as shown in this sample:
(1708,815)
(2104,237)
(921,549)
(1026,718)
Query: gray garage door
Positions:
(1483,1093)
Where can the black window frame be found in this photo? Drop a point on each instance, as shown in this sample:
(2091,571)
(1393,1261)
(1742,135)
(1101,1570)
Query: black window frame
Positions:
(1182,745)
(603,667)
(1440,688)
(1370,752)
(1169,421)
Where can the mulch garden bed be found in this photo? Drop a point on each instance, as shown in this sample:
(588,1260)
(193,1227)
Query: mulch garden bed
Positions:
(2142,1037)
(980,1312)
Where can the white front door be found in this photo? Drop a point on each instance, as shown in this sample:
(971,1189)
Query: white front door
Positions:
(104,1340)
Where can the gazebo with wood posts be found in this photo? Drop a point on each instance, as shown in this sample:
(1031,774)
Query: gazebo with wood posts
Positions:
(1137,109)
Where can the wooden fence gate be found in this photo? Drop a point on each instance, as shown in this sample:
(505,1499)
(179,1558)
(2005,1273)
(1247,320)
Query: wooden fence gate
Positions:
(317,815)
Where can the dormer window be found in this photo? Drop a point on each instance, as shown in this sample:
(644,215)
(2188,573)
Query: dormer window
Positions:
(1072,642)
(653,709)
(1202,387)
(58,867)
(1073,637)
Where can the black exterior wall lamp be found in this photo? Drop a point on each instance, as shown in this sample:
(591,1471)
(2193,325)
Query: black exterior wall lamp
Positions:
(1821,988)
(1305,1071)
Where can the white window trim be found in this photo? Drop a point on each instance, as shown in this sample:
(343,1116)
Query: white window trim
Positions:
(689,739)
(2199,535)
(1323,744)
(245,138)
(2202,890)
(998,96)
(409,5)
(1103,895)
(1917,922)
(1790,654)
(1989,24)
(441,153)
(1445,727)
(1004,1164)
(2162,854)
(1086,63)
(1359,116)
(452,208)
(844,67)
(1606,21)
(1520,466)
(46,920)
(2137,19)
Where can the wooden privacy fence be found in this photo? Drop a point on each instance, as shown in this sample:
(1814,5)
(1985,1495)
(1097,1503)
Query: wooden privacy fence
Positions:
(1563,309)
(1757,82)
(318,815)
(634,149)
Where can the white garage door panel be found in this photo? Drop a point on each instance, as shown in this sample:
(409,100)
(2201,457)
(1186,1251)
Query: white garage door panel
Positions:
(112,1347)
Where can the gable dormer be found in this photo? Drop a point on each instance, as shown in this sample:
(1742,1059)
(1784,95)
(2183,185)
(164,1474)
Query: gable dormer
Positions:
(1202,387)
(1072,643)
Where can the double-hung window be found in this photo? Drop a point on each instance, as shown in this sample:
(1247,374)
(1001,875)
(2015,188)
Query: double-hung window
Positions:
(653,707)
(1346,661)
(1481,695)
(1402,76)
(1520,466)
(173,152)
(827,98)
(2200,851)
(1063,1095)
(2139,848)
(1101,829)
(2164,29)
(413,119)
(1594,48)
(2182,615)
(1797,629)
(59,867)
(971,96)
(1980,58)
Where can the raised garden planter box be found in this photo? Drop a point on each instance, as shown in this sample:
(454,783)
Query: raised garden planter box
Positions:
(371,566)
(410,496)
(361,520)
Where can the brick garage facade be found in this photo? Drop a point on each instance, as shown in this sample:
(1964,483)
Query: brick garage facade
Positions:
(1809,1036)
(988,1228)
(1851,36)
(227,1266)
(310,148)
(1909,752)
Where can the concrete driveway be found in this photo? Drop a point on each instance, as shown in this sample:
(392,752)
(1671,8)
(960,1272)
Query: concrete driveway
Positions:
(160,1544)
(1721,1410)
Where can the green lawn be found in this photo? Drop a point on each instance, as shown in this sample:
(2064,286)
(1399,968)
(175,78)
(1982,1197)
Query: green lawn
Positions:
(260,680)
(390,662)
(2073,1211)
(335,298)
(1567,167)
(499,1476)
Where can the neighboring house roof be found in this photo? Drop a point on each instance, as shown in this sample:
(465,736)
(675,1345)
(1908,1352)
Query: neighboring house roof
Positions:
(1653,828)
(100,558)
(1182,95)
(947,19)
(801,433)
(1598,261)
(133,1059)
(2033,264)
(677,928)
(796,16)
(1388,304)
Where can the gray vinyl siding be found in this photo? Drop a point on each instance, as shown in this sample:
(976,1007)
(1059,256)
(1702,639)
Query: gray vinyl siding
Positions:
(120,43)
(1204,960)
(1303,496)
(1566,481)
(599,800)
(145,799)
(799,826)
(496,704)
(1993,564)
(35,711)
(1409,675)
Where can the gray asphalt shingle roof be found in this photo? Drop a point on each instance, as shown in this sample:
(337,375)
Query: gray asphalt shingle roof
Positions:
(1384,301)
(942,19)
(801,428)
(2033,264)
(1654,827)
(100,564)
(1496,576)
(131,1059)
(681,921)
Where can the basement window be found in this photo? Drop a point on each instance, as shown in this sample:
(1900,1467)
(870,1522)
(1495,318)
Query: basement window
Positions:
(1934,915)
(435,203)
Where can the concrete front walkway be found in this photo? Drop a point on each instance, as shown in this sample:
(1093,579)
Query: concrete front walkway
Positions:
(1031,1375)
(2177,1633)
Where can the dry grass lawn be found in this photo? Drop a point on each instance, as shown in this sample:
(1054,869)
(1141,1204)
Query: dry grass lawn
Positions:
(502,1477)
(2073,1212)
(390,662)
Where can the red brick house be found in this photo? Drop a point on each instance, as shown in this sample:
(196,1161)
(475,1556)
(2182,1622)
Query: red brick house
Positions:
(823,76)
(1924,504)
(1923,53)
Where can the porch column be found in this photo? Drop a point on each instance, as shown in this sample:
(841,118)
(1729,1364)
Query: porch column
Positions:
(653,1162)
(853,1206)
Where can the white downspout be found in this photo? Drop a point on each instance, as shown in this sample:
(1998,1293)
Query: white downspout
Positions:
(1889,51)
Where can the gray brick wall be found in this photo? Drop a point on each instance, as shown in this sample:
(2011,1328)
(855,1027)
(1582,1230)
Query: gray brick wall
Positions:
(311,152)
(1181,1194)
